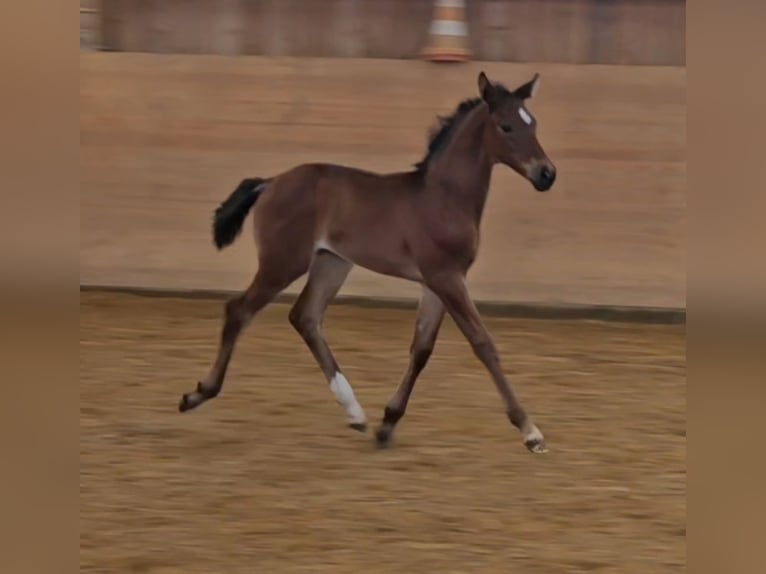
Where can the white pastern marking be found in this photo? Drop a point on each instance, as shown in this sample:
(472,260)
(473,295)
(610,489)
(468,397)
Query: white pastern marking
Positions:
(533,435)
(525,116)
(533,439)
(344,394)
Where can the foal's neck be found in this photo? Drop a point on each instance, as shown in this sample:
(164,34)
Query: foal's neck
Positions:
(464,168)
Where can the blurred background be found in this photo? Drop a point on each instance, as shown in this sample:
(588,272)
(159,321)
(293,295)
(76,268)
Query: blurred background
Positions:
(181,99)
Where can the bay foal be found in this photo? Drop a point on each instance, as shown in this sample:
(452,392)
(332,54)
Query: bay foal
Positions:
(421,225)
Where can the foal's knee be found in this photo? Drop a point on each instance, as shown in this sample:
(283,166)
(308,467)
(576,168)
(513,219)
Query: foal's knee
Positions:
(233,314)
(302,322)
(295,318)
(484,349)
(232,308)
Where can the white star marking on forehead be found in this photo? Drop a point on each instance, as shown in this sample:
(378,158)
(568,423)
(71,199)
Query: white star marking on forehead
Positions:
(525,116)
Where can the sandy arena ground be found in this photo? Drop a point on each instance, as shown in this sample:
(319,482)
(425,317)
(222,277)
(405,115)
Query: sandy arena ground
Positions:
(268,479)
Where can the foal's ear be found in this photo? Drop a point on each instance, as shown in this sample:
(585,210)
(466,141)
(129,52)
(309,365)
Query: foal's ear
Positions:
(486,89)
(529,89)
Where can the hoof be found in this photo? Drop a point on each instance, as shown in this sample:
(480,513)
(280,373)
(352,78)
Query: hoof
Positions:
(186,403)
(383,436)
(534,441)
(536,446)
(192,400)
(361,427)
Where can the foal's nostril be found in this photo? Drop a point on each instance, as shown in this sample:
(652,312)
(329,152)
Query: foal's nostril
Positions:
(547,174)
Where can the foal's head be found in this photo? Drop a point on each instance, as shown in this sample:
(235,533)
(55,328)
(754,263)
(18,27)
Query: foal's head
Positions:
(510,135)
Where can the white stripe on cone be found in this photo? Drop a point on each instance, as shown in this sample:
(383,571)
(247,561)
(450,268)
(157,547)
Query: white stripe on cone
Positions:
(448,28)
(451,3)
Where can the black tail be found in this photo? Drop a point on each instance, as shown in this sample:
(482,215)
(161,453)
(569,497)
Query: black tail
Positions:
(231,214)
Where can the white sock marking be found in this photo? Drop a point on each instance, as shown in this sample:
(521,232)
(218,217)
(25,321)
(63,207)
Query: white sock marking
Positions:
(344,394)
(533,438)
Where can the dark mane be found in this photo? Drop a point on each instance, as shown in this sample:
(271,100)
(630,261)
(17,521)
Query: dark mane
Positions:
(439,134)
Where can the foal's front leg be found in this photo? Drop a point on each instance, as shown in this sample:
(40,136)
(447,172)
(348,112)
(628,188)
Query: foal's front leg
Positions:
(427,323)
(452,290)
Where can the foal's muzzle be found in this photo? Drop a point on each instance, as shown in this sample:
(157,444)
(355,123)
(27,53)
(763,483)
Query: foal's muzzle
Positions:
(544,177)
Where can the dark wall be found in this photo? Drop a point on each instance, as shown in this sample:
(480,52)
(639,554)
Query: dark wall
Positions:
(573,31)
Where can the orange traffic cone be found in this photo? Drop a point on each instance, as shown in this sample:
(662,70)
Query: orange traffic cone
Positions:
(448,33)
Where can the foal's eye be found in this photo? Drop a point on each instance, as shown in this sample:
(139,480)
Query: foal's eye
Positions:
(506,129)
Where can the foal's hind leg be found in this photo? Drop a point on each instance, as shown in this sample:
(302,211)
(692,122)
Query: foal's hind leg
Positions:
(427,323)
(326,276)
(239,312)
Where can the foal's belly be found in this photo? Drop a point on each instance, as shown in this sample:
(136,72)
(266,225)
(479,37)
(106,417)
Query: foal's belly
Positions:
(368,227)
(376,257)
